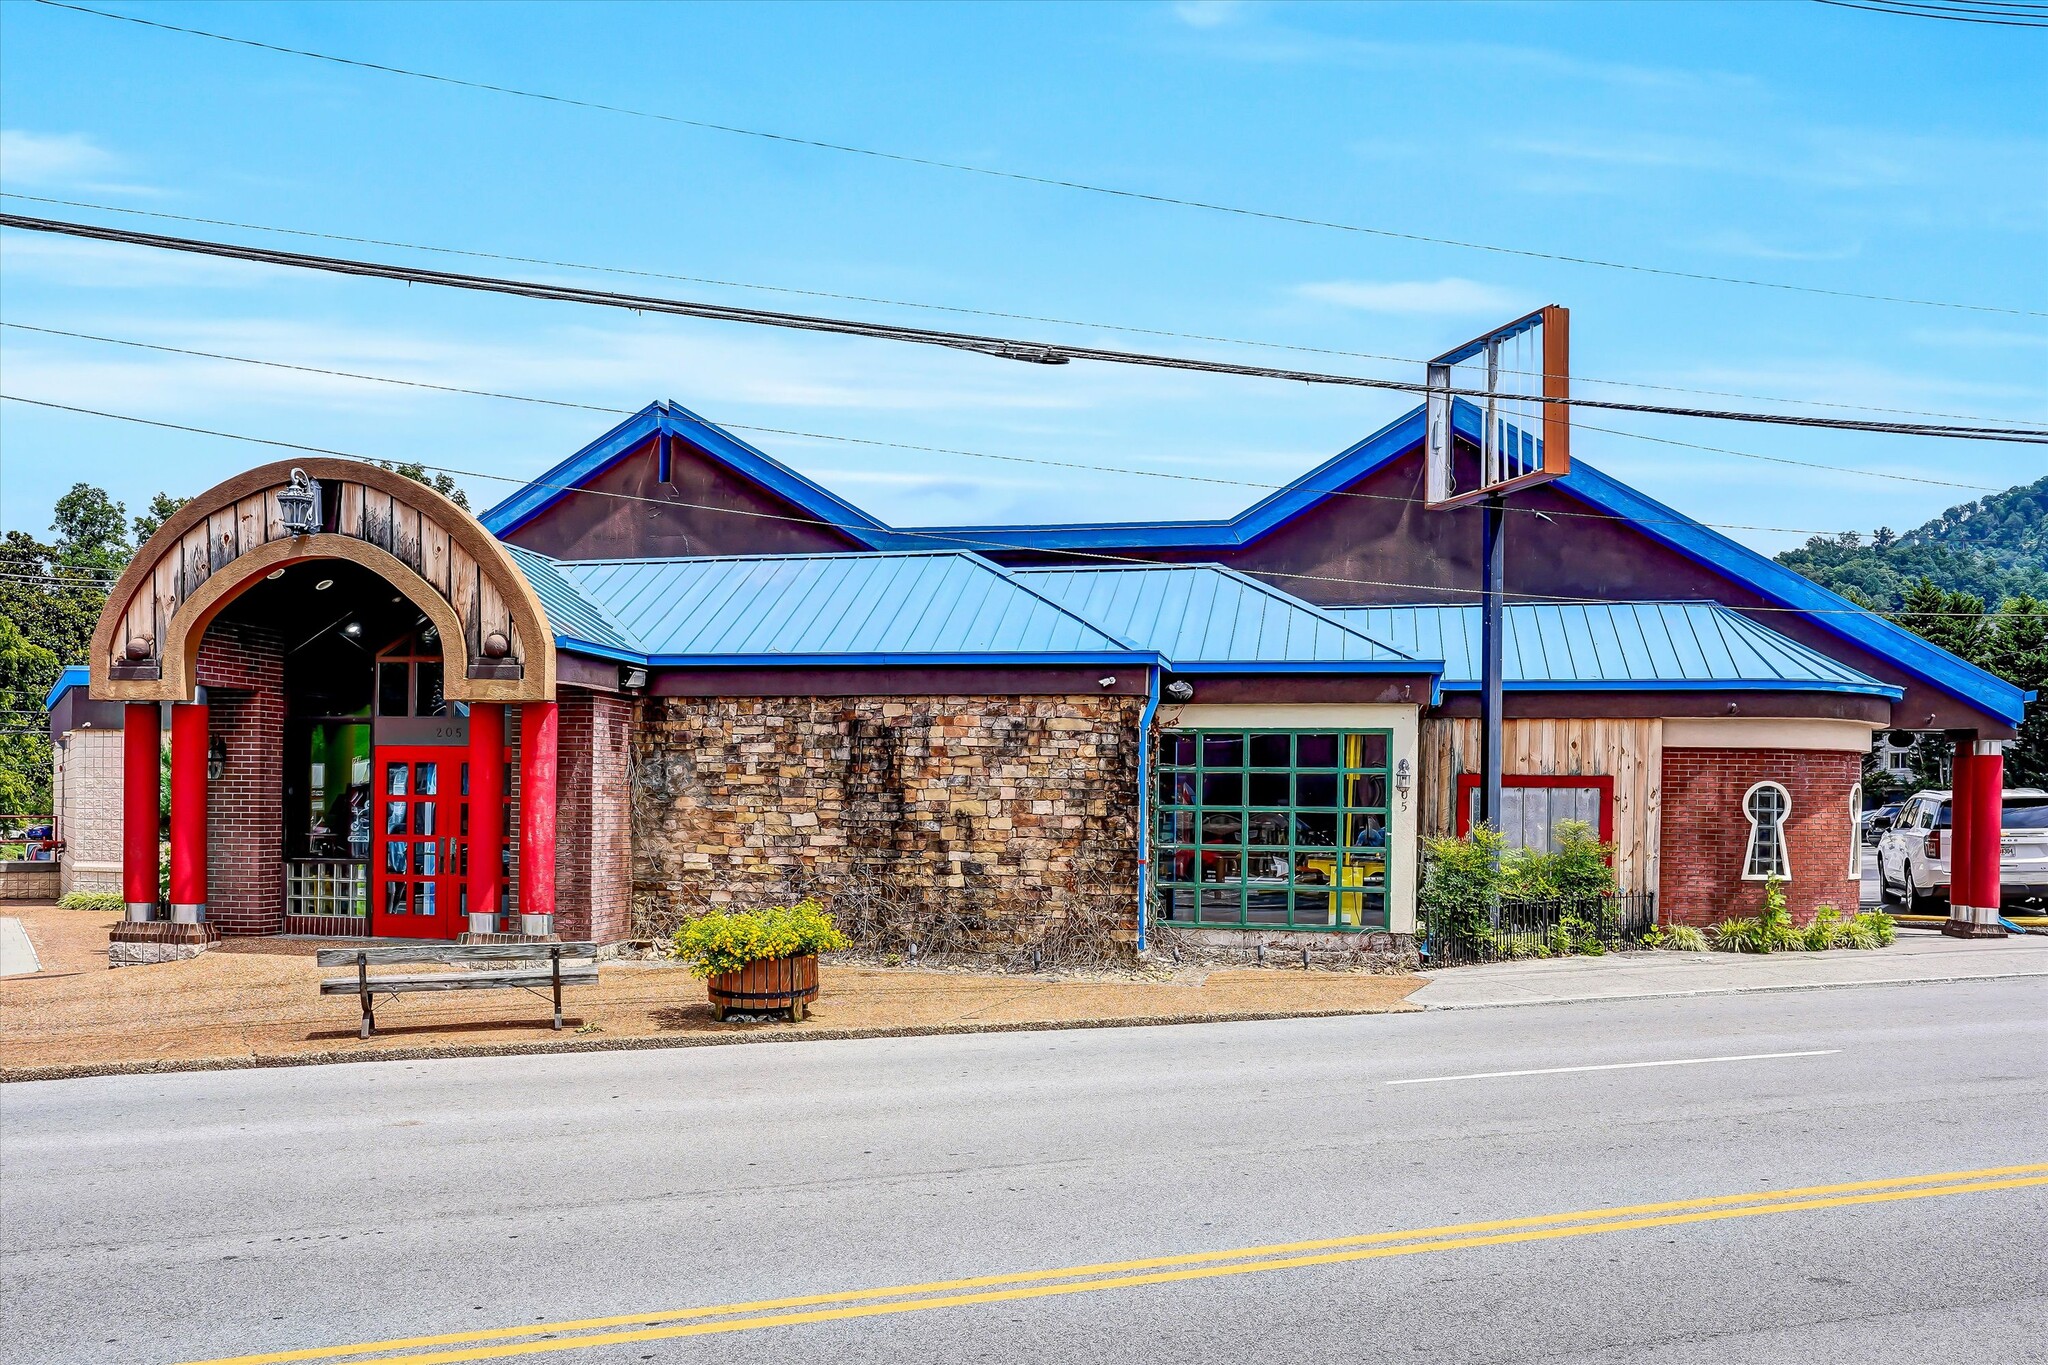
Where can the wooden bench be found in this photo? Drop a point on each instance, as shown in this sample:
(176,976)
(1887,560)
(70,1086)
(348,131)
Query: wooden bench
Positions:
(541,970)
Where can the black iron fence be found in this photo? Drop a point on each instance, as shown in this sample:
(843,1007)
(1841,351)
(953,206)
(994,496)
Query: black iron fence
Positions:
(1455,935)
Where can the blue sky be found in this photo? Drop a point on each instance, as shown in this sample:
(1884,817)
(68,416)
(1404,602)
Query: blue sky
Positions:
(1796,142)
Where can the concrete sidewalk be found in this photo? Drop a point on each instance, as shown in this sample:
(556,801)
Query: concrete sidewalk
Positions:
(1919,956)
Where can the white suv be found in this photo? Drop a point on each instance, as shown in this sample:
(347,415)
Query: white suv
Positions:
(1913,856)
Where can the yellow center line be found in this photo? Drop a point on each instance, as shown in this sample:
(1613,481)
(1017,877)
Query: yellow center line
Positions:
(1198,1265)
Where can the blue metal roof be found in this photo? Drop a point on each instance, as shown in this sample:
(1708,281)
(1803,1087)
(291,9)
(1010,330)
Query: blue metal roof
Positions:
(1619,646)
(1773,581)
(74,675)
(1207,617)
(863,608)
(574,615)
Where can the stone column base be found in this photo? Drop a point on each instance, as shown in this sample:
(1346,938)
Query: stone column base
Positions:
(1972,921)
(138,945)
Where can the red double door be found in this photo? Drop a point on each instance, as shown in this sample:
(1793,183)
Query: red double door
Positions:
(421,860)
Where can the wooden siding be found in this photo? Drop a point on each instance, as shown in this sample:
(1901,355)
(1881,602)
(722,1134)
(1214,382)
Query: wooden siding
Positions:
(1629,751)
(359,513)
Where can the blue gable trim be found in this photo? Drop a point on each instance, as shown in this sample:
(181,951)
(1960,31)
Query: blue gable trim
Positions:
(74,675)
(1399,435)
(1832,612)
(1771,580)
(728,449)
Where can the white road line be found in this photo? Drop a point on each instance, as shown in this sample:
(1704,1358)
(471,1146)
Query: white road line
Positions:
(1616,1066)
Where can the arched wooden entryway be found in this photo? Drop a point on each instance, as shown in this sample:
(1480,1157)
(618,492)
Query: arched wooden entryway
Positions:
(385,543)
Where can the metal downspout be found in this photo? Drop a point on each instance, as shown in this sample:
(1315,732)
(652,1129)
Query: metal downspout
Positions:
(1145,801)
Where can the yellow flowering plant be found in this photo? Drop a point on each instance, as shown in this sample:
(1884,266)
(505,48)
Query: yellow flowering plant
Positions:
(727,940)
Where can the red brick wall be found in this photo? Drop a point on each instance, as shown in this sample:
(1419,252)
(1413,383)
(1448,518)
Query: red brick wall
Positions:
(1705,835)
(242,668)
(593,831)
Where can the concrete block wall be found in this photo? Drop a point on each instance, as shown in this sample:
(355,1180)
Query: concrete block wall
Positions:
(1705,835)
(88,806)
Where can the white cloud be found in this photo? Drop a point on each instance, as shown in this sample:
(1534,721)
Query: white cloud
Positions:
(50,158)
(1206,13)
(1448,296)
(1993,338)
(77,263)
(58,161)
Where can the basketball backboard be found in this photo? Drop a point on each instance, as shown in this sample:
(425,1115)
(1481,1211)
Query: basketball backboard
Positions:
(1497,410)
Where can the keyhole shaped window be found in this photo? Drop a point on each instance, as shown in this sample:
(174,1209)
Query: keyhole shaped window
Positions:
(1767,806)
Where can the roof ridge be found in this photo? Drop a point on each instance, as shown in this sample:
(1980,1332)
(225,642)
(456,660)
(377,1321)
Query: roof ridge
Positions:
(1238,576)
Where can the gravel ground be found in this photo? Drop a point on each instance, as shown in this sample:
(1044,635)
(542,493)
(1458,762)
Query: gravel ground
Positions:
(255,1001)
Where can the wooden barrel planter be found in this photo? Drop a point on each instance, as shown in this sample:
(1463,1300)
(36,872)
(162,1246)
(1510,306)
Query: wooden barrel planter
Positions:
(777,983)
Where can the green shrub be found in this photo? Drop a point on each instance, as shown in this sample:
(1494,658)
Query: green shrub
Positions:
(725,941)
(1461,881)
(103,901)
(1675,938)
(1882,929)
(1737,935)
(1827,930)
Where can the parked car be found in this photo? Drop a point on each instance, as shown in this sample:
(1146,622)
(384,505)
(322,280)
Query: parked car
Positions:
(1876,822)
(1914,855)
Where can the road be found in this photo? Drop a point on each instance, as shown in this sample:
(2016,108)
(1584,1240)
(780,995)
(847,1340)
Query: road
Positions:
(198,1216)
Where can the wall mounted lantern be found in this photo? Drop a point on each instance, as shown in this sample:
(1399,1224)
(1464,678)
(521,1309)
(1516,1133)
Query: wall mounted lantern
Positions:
(299,505)
(1404,778)
(216,758)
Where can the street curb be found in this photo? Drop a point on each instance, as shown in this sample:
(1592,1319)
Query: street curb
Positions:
(67,1071)
(1711,991)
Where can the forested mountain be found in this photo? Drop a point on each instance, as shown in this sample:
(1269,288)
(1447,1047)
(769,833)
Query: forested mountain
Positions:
(1993,549)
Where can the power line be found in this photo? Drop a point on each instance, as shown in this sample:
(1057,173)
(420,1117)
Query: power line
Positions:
(1006,348)
(982,454)
(961,310)
(1955,14)
(1053,182)
(944,538)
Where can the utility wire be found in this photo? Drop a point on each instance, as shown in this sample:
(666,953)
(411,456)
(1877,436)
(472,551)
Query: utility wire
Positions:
(943,538)
(962,310)
(977,454)
(1054,182)
(1953,14)
(1007,348)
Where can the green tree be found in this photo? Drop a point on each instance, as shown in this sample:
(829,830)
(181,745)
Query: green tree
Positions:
(440,483)
(26,672)
(2016,649)
(51,594)
(161,509)
(1953,620)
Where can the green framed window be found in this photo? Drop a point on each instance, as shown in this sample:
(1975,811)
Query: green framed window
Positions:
(1272,828)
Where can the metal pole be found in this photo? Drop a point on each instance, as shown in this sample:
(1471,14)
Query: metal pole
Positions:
(1490,632)
(1491,592)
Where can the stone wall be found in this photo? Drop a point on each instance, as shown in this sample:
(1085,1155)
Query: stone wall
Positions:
(88,802)
(1706,834)
(987,823)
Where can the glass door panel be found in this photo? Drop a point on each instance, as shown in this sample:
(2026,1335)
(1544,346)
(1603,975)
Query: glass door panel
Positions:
(417,892)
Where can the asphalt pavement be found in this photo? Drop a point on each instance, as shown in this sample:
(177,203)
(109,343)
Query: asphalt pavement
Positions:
(1770,1154)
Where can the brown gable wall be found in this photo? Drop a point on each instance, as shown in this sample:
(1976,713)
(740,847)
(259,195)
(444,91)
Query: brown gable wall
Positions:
(596,525)
(1384,546)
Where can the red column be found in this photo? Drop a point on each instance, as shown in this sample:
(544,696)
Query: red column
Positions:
(486,806)
(1987,781)
(1962,819)
(537,721)
(188,812)
(141,775)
